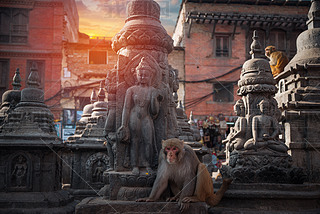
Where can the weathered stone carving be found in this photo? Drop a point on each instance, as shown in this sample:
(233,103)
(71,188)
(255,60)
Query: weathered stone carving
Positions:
(299,98)
(11,98)
(141,107)
(96,164)
(255,152)
(30,178)
(86,151)
(20,172)
(237,135)
(265,131)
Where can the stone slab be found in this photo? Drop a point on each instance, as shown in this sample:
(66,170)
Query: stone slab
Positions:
(269,198)
(58,202)
(99,205)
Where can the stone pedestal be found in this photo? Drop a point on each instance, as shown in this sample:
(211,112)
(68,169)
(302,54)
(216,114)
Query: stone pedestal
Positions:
(125,186)
(262,167)
(269,198)
(99,205)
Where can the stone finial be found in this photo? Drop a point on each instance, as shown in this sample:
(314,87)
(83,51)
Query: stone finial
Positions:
(314,15)
(101,93)
(191,121)
(143,8)
(16,80)
(255,46)
(93,97)
(33,79)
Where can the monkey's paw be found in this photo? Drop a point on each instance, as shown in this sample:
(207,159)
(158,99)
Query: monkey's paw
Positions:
(187,200)
(144,200)
(183,206)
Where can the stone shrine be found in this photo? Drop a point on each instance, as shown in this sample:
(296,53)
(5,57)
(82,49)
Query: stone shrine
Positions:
(254,150)
(86,154)
(299,98)
(30,163)
(141,87)
(142,111)
(266,178)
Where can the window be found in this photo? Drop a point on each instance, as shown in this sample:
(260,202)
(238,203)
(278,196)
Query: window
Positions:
(223,92)
(277,38)
(40,64)
(97,57)
(4,75)
(222,46)
(13,25)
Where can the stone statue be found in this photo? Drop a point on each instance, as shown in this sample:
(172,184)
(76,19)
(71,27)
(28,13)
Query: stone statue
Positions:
(141,107)
(109,129)
(19,171)
(236,138)
(98,172)
(265,131)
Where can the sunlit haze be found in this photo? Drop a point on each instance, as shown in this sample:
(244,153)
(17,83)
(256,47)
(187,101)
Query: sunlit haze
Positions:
(105,18)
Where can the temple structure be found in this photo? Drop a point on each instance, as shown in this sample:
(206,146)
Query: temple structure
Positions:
(255,151)
(299,98)
(30,162)
(86,153)
(142,111)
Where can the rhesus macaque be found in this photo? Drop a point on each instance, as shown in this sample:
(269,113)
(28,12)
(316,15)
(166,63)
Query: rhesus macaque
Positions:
(278,60)
(188,178)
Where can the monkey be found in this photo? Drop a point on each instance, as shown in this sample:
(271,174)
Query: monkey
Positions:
(188,179)
(278,60)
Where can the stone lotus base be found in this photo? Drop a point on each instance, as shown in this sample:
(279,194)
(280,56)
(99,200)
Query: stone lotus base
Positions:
(100,205)
(269,198)
(58,202)
(262,166)
(125,186)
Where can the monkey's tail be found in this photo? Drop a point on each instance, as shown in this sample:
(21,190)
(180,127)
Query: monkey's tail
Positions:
(214,199)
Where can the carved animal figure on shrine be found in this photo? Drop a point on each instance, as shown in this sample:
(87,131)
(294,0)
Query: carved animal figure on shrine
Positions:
(188,179)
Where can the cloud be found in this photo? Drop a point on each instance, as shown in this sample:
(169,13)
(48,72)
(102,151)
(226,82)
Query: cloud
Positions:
(107,17)
(174,2)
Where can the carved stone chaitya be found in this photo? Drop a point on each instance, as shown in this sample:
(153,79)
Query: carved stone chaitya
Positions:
(30,177)
(299,98)
(11,97)
(255,153)
(86,152)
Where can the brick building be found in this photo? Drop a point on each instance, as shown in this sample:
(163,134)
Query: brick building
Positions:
(215,38)
(85,64)
(33,31)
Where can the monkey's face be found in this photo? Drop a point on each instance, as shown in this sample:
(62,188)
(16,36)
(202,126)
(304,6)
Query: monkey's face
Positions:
(268,50)
(171,153)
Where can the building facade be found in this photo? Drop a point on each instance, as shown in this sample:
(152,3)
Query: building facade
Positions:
(86,63)
(216,36)
(33,32)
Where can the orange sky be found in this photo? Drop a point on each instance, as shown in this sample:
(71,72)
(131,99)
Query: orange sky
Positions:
(105,18)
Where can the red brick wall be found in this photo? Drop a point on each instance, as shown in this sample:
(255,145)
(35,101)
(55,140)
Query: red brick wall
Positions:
(45,33)
(200,62)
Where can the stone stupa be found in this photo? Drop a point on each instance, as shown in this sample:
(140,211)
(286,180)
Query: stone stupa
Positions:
(30,162)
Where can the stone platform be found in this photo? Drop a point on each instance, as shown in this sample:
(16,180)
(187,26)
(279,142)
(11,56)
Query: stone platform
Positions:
(269,198)
(100,205)
(57,202)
